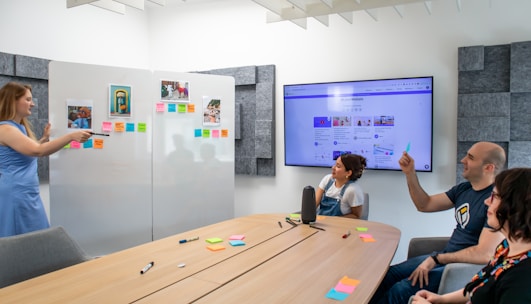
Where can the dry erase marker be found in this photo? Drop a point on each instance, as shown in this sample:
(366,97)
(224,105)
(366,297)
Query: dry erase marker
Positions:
(189,240)
(346,235)
(147,267)
(100,134)
(280,224)
(315,227)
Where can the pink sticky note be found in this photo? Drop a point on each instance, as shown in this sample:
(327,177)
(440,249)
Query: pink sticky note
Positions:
(215,133)
(159,106)
(75,145)
(365,236)
(344,288)
(237,237)
(106,126)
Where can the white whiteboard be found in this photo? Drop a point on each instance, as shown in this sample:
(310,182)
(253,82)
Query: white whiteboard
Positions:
(129,192)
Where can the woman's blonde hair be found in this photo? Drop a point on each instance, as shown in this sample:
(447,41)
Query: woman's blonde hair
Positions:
(9,95)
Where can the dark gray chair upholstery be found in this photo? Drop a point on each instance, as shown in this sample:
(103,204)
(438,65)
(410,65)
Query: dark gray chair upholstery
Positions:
(455,275)
(426,245)
(365,210)
(28,255)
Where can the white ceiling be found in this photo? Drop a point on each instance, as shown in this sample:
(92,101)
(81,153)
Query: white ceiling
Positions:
(296,11)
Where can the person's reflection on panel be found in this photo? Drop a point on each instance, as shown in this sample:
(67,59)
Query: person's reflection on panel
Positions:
(180,159)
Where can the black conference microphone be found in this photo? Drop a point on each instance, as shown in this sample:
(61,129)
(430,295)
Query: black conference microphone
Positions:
(308,208)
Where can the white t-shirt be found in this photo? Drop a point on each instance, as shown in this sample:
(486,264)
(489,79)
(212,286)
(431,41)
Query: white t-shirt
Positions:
(353,196)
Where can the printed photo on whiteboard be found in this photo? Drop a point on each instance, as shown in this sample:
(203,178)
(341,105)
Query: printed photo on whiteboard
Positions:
(120,101)
(211,111)
(176,91)
(79,114)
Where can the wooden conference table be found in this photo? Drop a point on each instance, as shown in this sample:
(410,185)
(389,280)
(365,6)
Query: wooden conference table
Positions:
(276,265)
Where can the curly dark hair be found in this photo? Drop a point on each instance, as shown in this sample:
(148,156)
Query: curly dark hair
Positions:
(354,162)
(514,188)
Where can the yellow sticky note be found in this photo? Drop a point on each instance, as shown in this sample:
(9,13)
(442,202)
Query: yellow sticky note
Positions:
(216,247)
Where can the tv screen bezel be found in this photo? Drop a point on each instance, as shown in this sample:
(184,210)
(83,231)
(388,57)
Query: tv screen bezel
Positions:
(361,81)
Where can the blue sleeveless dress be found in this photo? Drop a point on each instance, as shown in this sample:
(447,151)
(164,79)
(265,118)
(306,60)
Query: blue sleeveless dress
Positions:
(21,208)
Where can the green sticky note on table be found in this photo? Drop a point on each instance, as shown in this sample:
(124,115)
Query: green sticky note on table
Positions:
(362,228)
(214,240)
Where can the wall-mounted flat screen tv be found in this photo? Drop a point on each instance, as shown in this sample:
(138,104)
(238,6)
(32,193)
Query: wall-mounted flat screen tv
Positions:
(378,119)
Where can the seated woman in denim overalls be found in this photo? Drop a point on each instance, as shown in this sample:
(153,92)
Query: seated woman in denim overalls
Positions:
(338,193)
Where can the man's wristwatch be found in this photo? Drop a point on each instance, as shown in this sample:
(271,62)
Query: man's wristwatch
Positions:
(434,257)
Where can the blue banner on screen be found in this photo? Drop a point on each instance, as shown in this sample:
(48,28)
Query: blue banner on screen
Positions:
(378,119)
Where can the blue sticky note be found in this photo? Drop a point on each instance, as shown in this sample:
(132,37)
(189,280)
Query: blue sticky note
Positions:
(237,243)
(172,107)
(336,295)
(408,146)
(198,133)
(87,144)
(129,127)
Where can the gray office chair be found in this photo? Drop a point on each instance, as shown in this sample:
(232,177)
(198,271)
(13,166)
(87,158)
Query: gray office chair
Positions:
(426,245)
(36,253)
(365,210)
(455,275)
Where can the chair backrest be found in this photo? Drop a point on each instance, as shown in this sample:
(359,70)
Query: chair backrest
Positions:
(456,275)
(365,210)
(426,245)
(28,255)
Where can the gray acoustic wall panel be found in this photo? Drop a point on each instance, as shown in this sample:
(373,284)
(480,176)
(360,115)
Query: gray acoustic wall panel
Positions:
(495,74)
(32,71)
(255,118)
(7,64)
(471,58)
(520,116)
(494,100)
(521,67)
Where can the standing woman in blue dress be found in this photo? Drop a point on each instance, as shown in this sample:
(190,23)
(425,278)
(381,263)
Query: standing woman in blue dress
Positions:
(21,208)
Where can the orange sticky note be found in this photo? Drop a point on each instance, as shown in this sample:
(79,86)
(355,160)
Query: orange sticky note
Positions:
(348,281)
(119,126)
(98,143)
(216,247)
(224,133)
(368,240)
(191,108)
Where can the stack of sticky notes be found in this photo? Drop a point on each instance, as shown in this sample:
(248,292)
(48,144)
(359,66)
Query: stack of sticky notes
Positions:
(343,289)
(237,240)
(215,246)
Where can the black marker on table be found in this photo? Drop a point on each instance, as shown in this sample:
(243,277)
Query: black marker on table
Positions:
(100,134)
(147,267)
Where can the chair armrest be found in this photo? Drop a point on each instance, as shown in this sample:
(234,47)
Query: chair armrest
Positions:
(456,275)
(426,245)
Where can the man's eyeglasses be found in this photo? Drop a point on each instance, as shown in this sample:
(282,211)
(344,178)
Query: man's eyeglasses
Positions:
(494,195)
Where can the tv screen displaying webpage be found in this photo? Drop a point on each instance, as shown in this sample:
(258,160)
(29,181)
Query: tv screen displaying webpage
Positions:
(378,119)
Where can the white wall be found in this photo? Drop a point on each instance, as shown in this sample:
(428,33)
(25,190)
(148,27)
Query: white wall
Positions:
(217,34)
